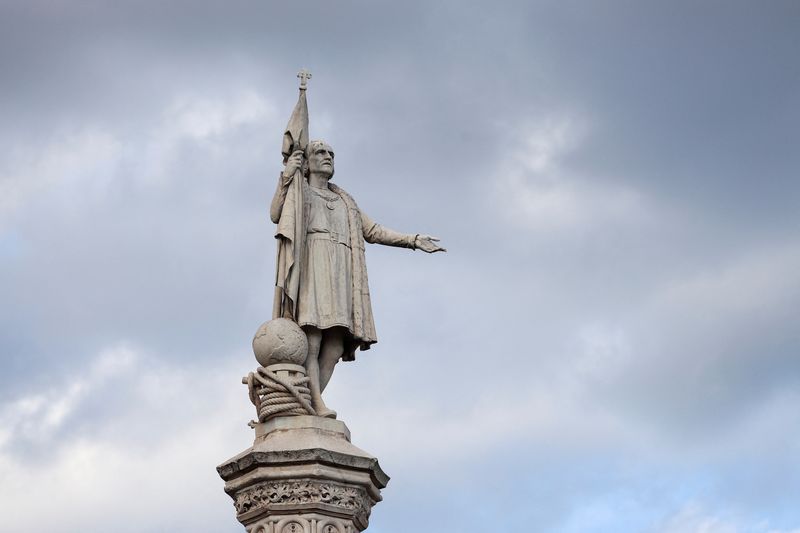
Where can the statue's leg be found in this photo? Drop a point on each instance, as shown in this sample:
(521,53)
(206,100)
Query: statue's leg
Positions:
(312,369)
(329,355)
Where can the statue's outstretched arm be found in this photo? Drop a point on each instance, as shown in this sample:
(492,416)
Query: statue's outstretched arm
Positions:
(374,233)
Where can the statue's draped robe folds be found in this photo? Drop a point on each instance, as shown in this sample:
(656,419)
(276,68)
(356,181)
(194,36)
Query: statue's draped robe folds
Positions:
(291,210)
(291,227)
(291,221)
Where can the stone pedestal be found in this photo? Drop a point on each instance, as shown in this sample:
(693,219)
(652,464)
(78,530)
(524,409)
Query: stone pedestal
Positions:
(302,475)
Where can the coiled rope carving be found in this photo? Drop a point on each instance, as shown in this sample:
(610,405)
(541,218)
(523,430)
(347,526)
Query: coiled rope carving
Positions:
(275,395)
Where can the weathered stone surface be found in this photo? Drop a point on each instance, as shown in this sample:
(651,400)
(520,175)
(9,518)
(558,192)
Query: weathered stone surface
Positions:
(306,468)
(279,390)
(280,341)
(321,232)
(308,523)
(290,496)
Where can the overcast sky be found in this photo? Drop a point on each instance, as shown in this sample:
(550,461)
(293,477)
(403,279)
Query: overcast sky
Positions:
(611,343)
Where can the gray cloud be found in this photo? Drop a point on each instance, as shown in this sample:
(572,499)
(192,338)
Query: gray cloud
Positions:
(609,344)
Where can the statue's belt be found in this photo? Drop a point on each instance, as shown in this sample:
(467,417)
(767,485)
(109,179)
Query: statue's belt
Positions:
(331,236)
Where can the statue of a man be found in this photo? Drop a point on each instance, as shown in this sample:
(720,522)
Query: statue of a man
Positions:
(322,276)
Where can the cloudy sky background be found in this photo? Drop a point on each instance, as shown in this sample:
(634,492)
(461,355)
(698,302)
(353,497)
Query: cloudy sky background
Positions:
(611,343)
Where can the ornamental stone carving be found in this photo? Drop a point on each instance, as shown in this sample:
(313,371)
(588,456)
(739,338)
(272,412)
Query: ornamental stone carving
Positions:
(310,523)
(273,495)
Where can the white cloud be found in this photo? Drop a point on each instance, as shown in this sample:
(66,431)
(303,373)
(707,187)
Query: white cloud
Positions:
(604,351)
(756,280)
(80,164)
(36,417)
(207,121)
(203,117)
(504,408)
(698,354)
(84,159)
(149,467)
(537,190)
(692,519)
(722,316)
(545,144)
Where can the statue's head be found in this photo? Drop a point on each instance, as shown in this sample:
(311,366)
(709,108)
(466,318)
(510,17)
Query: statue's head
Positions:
(319,155)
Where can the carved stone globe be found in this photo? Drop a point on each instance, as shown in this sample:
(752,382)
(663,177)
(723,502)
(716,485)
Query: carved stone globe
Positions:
(280,341)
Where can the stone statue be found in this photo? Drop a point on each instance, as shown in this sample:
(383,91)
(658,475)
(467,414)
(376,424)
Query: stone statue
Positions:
(321,281)
(303,473)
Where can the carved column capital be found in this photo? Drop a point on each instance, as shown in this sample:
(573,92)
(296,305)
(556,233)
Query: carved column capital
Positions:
(302,475)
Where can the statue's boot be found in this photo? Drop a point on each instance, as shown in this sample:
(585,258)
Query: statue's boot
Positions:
(323,410)
(327,413)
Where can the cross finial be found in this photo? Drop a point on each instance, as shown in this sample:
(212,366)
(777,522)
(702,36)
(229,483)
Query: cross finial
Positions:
(304,76)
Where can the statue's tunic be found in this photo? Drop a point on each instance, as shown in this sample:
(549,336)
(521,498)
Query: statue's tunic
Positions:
(330,288)
(326,278)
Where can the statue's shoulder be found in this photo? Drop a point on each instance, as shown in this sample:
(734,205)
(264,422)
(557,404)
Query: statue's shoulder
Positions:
(341,192)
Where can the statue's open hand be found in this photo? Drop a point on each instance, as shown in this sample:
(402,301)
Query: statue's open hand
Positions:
(426,243)
(293,164)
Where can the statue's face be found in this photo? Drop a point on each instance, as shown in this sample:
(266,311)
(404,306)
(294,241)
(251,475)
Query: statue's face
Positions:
(320,158)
